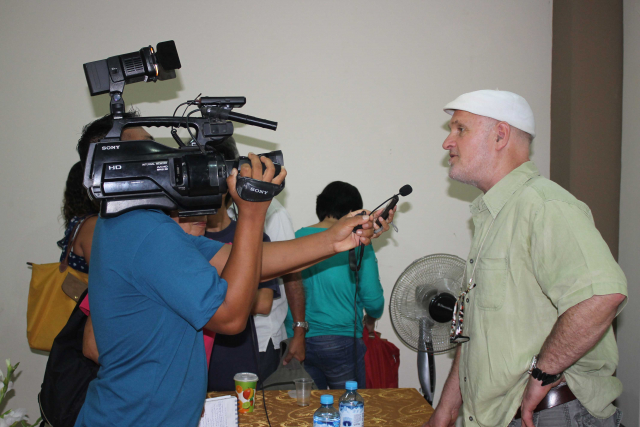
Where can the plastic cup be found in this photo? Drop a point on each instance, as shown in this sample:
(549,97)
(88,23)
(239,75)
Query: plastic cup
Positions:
(303,391)
(246,391)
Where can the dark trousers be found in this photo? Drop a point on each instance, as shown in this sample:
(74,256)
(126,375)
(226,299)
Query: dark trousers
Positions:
(329,361)
(269,360)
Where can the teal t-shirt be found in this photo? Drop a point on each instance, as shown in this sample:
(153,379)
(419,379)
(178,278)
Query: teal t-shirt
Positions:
(152,291)
(330,291)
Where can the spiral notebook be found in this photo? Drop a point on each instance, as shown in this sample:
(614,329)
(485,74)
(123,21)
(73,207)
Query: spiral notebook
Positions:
(220,412)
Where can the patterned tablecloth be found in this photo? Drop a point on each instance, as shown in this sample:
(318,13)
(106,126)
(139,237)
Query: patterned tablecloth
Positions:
(382,407)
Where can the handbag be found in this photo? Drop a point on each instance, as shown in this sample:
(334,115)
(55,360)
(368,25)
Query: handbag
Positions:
(382,361)
(53,293)
(68,373)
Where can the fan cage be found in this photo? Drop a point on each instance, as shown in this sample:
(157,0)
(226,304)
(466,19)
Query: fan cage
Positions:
(439,272)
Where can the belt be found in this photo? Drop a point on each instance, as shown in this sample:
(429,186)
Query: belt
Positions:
(557,396)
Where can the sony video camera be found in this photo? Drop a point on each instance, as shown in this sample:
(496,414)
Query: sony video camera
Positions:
(191,179)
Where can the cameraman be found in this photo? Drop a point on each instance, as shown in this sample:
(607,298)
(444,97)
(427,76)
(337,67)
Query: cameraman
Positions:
(154,288)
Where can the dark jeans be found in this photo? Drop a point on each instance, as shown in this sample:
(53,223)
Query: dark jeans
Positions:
(269,360)
(570,414)
(329,361)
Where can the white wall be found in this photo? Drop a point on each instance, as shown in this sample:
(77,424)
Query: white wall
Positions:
(357,88)
(629,319)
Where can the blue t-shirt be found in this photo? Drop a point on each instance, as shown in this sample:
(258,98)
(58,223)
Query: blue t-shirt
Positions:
(152,291)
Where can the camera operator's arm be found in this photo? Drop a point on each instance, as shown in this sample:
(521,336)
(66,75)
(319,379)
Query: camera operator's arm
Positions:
(242,268)
(289,256)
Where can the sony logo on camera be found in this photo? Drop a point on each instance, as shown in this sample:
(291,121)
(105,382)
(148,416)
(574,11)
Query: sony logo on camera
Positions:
(110,147)
(255,190)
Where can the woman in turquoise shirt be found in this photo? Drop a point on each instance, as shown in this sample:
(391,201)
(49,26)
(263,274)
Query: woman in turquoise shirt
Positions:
(330,291)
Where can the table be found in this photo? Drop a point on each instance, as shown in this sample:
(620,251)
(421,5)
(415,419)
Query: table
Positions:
(382,407)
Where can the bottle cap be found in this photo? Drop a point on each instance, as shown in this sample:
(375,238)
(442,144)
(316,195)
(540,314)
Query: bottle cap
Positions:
(351,385)
(326,399)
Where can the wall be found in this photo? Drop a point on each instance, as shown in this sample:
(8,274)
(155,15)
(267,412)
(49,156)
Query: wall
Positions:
(629,319)
(357,88)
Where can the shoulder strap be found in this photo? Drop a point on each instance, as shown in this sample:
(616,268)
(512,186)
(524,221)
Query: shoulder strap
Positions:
(65,263)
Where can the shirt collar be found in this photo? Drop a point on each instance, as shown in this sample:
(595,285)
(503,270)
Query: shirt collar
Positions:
(499,194)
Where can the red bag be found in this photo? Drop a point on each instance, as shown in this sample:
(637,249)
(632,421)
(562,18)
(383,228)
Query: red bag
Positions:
(381,361)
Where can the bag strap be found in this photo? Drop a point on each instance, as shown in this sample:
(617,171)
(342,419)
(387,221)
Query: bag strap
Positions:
(65,262)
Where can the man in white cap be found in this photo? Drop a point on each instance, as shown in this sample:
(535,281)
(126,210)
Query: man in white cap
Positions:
(541,286)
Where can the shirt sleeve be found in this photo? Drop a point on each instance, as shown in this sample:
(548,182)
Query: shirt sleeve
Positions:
(370,289)
(173,269)
(278,224)
(571,260)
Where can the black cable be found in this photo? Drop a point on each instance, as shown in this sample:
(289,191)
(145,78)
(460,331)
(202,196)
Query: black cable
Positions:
(355,262)
(256,357)
(188,104)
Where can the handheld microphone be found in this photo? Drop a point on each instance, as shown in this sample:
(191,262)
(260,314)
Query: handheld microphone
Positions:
(405,190)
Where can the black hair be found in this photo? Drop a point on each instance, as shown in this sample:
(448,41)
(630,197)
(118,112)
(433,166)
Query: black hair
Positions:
(338,199)
(76,201)
(96,130)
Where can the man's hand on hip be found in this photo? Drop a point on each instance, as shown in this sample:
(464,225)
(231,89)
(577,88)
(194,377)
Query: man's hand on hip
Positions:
(533,395)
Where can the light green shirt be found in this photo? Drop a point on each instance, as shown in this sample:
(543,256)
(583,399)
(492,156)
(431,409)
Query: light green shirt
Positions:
(542,256)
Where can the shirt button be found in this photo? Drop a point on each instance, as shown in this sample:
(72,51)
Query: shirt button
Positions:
(467,299)
(470,418)
(471,261)
(465,379)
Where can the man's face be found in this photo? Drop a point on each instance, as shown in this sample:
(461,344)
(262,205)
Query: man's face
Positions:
(469,148)
(135,134)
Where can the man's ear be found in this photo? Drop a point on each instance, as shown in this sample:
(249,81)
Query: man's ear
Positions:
(503,132)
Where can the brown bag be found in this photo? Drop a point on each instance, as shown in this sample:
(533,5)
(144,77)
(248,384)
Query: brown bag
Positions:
(53,293)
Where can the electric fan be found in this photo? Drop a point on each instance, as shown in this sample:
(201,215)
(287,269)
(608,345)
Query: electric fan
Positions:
(421,308)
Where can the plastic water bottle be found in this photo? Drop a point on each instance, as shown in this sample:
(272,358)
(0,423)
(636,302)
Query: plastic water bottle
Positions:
(351,406)
(326,415)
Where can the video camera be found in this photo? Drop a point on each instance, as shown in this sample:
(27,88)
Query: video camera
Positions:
(190,179)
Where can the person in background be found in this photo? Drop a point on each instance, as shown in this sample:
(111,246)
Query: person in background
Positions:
(78,207)
(270,327)
(331,293)
(236,353)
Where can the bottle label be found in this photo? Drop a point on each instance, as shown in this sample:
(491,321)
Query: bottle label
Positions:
(351,416)
(326,423)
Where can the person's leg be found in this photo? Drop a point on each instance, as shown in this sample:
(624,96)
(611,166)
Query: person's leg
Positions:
(337,357)
(361,371)
(269,360)
(580,417)
(313,362)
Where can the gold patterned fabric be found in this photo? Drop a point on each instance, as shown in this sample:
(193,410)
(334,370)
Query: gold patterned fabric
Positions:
(386,407)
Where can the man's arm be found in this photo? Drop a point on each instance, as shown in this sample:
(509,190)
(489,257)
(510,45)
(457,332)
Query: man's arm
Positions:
(280,258)
(294,289)
(446,413)
(574,334)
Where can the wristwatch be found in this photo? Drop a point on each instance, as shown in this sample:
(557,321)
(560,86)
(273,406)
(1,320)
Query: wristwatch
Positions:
(303,325)
(540,375)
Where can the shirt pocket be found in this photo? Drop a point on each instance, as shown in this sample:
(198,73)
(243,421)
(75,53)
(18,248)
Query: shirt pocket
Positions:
(491,283)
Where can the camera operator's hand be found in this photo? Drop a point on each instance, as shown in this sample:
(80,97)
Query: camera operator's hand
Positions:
(341,235)
(254,171)
(384,224)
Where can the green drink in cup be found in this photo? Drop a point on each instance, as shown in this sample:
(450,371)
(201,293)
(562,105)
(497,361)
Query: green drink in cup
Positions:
(246,391)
